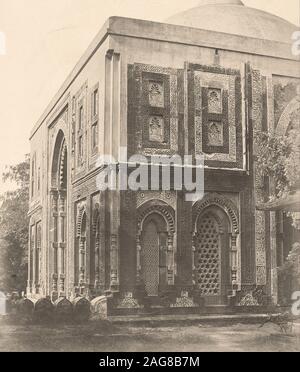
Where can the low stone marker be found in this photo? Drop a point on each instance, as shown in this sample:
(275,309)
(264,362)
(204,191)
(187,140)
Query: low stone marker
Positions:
(43,310)
(63,310)
(99,307)
(81,309)
(25,309)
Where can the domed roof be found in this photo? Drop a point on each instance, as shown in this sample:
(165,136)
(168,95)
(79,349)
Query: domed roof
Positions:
(233,17)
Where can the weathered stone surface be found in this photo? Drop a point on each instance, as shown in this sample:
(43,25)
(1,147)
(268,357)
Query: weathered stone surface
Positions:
(43,310)
(81,309)
(99,307)
(63,310)
(25,308)
(2,304)
(167,102)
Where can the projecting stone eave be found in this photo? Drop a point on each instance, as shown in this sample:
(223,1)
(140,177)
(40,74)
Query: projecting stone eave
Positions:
(291,203)
(163,32)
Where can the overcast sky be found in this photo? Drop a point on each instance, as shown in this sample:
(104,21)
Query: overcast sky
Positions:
(41,51)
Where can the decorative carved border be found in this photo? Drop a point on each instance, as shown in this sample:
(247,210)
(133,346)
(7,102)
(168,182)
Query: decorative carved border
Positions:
(156,206)
(137,112)
(95,218)
(168,213)
(234,158)
(63,156)
(211,117)
(80,213)
(222,202)
(169,197)
(148,111)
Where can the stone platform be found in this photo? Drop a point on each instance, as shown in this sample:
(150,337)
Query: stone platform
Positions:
(187,320)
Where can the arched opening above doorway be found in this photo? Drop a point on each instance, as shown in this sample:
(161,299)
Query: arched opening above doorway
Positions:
(155,247)
(58,227)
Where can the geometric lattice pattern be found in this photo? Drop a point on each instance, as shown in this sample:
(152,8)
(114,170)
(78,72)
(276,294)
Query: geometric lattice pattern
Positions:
(208,265)
(151,259)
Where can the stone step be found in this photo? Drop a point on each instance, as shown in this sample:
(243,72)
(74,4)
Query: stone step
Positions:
(187,320)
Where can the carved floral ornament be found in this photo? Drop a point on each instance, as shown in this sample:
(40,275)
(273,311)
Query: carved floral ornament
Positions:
(156,129)
(215,134)
(156,94)
(215,101)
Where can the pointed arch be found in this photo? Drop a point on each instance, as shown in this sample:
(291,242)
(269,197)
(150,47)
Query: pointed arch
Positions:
(59,206)
(222,202)
(80,218)
(154,211)
(59,162)
(286,116)
(212,203)
(95,219)
(159,207)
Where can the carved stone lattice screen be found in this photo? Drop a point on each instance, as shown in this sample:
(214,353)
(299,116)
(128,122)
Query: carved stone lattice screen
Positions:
(151,259)
(208,257)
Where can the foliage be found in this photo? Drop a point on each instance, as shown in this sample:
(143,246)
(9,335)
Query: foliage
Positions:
(278,157)
(14,228)
(289,275)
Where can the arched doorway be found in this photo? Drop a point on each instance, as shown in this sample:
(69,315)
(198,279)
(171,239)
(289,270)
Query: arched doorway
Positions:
(154,240)
(212,256)
(58,226)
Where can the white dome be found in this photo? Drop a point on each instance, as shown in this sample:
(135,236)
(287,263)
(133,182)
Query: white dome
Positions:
(232,17)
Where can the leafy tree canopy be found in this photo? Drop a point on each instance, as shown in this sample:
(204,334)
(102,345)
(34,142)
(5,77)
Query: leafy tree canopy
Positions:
(279,157)
(14,228)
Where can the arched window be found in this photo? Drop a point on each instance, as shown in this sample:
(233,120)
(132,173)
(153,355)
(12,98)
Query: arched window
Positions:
(33,176)
(80,134)
(95,119)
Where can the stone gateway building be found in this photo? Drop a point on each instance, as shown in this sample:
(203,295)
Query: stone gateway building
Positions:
(204,82)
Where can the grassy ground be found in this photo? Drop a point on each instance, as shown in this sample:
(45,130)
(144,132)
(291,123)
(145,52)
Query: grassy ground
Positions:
(102,337)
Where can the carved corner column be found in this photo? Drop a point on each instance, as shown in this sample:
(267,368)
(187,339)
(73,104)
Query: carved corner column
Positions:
(194,258)
(112,145)
(138,259)
(170,260)
(101,243)
(31,244)
(114,242)
(273,227)
(38,246)
(97,260)
(234,264)
(54,244)
(259,185)
(186,251)
(62,241)
(82,253)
